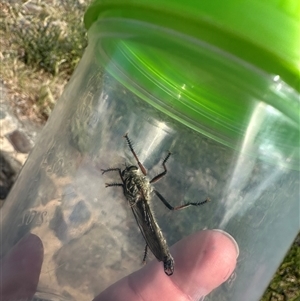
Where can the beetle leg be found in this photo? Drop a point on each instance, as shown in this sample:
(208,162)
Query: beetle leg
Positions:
(113,169)
(169,206)
(141,166)
(159,176)
(145,254)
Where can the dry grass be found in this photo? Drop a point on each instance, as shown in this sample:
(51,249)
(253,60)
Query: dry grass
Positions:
(285,285)
(41,44)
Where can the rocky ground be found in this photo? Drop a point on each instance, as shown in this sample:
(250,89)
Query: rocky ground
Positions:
(17,139)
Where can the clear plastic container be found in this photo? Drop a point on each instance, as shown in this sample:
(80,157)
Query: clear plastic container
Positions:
(230,118)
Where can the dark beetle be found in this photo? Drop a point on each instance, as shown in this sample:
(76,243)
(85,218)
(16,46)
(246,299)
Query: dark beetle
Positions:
(137,190)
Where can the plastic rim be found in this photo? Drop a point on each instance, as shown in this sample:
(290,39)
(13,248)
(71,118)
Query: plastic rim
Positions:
(203,77)
(263,33)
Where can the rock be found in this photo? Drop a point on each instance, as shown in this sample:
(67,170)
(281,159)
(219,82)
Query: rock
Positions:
(9,170)
(20,141)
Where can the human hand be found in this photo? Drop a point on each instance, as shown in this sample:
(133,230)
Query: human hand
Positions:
(203,261)
(20,269)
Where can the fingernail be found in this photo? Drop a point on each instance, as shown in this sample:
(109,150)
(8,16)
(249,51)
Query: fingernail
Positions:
(231,238)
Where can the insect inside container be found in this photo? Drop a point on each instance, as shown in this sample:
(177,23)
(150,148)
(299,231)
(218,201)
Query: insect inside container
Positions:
(137,190)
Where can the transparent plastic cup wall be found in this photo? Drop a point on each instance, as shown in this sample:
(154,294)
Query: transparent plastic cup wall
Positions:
(89,234)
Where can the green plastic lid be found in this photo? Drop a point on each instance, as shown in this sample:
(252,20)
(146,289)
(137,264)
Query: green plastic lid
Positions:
(264,32)
(229,69)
